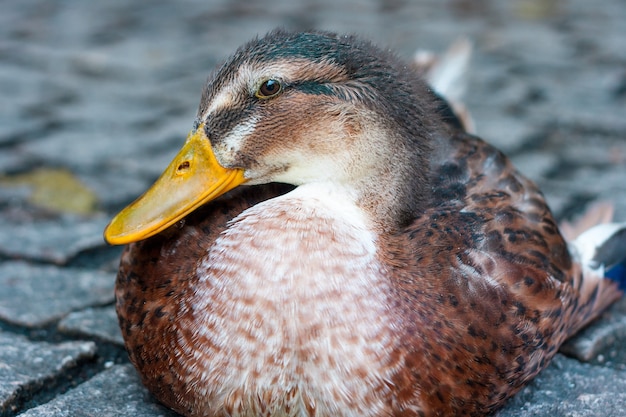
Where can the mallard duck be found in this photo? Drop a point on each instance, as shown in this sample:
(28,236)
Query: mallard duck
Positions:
(330,242)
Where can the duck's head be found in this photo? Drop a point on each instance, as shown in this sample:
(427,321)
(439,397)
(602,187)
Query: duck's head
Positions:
(300,108)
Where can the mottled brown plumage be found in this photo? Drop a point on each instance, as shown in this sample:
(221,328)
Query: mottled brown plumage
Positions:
(265,302)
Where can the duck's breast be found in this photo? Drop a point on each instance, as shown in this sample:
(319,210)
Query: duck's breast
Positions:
(291,313)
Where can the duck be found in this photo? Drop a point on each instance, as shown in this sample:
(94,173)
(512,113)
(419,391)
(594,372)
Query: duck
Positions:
(331,241)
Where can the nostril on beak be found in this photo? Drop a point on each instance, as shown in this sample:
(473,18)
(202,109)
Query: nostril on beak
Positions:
(183,167)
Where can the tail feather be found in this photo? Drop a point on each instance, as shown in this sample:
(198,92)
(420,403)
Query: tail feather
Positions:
(598,213)
(447,73)
(602,247)
(600,254)
(597,242)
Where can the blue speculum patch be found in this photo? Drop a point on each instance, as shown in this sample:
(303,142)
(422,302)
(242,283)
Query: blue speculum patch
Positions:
(618,274)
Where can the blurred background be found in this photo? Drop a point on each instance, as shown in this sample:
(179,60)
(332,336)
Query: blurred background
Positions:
(108,90)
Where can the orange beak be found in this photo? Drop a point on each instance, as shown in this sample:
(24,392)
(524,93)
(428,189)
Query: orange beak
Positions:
(192,179)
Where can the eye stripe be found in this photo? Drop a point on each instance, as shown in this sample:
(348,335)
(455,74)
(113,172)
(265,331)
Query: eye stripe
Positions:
(222,121)
(314,87)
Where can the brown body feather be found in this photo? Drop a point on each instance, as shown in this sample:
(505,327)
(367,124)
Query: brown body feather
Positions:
(478,316)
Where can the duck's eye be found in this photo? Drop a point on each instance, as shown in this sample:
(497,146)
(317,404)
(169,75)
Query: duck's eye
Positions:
(268,89)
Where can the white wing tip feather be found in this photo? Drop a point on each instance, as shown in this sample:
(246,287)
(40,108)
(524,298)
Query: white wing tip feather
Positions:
(587,244)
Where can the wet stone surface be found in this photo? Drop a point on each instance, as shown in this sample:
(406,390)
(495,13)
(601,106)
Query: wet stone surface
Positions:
(96,97)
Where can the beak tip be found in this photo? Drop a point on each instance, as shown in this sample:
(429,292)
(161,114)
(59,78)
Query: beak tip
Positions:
(109,239)
(113,235)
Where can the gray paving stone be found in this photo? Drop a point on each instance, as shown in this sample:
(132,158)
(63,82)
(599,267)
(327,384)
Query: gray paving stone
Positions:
(115,392)
(573,389)
(100,323)
(54,240)
(588,160)
(27,366)
(36,295)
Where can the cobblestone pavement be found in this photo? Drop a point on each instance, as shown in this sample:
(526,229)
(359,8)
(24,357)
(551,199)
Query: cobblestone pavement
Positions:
(96,97)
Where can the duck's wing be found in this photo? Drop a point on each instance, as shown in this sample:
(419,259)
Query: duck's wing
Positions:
(518,228)
(493,283)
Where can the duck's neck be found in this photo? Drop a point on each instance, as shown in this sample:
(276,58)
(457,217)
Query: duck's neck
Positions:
(395,190)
